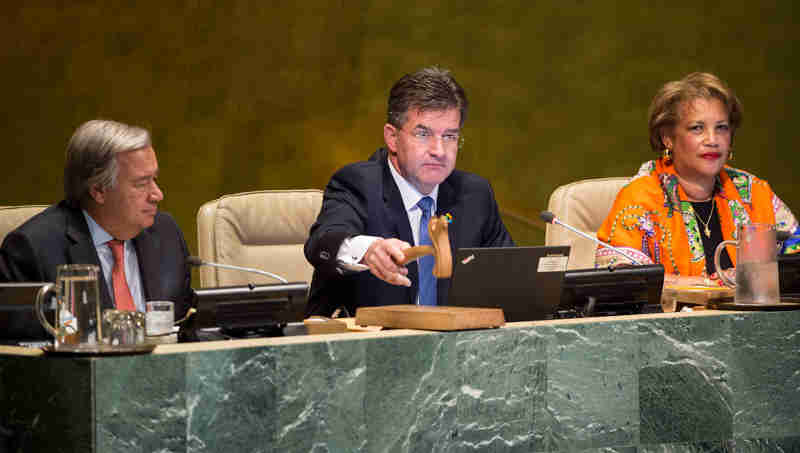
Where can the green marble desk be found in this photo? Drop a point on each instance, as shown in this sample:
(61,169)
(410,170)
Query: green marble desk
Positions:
(690,382)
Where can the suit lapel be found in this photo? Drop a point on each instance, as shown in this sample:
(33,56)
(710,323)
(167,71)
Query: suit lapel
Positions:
(446,204)
(82,250)
(397,222)
(147,247)
(395,211)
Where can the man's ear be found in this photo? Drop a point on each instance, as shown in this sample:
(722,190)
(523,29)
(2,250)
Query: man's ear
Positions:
(390,138)
(97,194)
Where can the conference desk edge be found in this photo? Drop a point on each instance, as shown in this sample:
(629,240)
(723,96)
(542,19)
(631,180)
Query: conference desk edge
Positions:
(665,382)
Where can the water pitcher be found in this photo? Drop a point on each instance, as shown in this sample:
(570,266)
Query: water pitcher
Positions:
(77,311)
(756,265)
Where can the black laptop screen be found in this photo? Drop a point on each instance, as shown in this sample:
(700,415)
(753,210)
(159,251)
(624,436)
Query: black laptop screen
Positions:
(18,320)
(525,282)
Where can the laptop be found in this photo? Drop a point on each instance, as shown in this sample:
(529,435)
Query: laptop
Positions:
(19,324)
(523,281)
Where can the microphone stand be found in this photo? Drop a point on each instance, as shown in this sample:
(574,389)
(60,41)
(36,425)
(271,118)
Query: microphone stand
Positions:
(199,262)
(550,218)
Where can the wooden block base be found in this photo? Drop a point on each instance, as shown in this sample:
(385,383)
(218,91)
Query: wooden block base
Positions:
(430,318)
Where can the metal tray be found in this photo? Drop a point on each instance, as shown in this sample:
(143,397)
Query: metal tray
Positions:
(781,306)
(100,349)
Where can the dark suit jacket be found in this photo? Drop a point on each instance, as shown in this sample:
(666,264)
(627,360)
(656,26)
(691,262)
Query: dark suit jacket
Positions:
(363,199)
(60,235)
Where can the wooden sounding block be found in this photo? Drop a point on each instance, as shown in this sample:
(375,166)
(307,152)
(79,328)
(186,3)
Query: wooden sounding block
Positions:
(430,318)
(674,296)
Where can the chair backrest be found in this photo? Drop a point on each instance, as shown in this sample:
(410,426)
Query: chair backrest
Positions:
(264,230)
(13,216)
(585,205)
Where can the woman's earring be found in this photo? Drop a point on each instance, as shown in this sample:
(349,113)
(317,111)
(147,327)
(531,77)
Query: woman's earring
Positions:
(667,155)
(730,154)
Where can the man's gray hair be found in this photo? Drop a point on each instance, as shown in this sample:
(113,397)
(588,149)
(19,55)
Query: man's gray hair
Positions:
(91,156)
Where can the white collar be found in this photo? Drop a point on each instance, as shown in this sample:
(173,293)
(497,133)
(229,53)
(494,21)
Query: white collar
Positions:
(408,192)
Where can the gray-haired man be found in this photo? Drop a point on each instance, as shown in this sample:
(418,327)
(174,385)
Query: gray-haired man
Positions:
(109,218)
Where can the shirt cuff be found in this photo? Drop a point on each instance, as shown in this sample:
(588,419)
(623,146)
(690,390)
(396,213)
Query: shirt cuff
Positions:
(352,251)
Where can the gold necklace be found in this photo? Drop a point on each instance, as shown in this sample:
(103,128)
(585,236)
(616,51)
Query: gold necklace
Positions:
(707,230)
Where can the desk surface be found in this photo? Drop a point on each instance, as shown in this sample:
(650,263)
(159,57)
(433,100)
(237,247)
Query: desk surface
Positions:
(304,339)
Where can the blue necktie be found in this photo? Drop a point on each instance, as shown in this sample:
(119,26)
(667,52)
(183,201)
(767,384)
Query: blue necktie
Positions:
(427,282)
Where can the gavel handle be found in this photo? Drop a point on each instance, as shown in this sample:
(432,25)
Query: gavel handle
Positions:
(413,253)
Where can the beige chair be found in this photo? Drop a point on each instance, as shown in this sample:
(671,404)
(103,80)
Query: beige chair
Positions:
(13,216)
(264,230)
(585,205)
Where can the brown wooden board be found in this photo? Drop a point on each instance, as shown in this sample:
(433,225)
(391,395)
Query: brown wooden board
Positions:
(430,318)
(317,325)
(674,296)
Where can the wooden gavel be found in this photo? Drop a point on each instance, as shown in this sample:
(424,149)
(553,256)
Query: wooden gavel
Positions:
(443,258)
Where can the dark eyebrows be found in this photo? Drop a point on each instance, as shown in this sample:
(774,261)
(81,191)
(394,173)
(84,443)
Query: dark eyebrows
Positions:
(422,127)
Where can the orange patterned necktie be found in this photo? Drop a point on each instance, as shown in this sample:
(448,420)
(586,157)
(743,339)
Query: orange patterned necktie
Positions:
(122,294)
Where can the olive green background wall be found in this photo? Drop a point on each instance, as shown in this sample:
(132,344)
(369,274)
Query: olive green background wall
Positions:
(246,95)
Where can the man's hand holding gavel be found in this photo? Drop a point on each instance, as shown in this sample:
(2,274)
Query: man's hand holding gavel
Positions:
(387,258)
(383,258)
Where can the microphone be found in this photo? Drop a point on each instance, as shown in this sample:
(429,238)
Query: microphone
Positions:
(196,261)
(549,217)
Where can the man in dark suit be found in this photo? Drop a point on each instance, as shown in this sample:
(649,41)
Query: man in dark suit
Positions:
(109,218)
(374,210)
